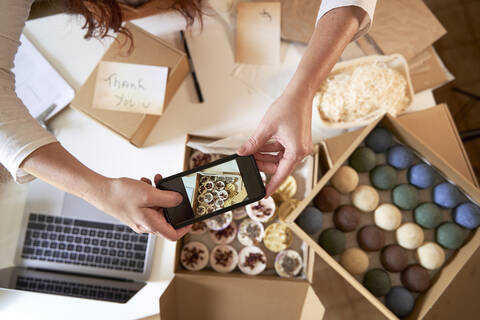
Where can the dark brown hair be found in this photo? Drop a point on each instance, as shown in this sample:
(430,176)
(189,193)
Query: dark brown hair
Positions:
(102,16)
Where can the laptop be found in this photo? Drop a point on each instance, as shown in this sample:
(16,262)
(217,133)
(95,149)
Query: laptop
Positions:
(82,252)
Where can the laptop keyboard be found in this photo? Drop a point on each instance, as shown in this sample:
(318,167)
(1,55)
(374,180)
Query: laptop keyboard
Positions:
(85,243)
(74,289)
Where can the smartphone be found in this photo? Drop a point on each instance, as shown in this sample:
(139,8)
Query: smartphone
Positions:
(212,189)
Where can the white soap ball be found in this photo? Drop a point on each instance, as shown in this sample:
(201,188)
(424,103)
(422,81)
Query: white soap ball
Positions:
(409,235)
(431,256)
(365,198)
(388,217)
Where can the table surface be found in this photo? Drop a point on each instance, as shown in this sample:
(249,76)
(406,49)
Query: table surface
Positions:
(230,107)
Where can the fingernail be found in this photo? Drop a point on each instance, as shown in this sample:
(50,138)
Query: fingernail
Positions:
(179,199)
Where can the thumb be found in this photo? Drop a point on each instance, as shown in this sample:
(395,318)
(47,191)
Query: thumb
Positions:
(164,199)
(255,142)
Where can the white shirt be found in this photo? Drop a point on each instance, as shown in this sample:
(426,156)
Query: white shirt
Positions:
(20,134)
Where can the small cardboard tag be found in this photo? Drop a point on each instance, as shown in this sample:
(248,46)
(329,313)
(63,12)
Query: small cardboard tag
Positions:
(130,87)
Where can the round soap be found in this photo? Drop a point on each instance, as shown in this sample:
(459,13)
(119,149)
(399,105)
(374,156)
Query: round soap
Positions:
(332,240)
(400,157)
(377,281)
(310,220)
(354,260)
(371,238)
(400,301)
(430,255)
(346,218)
(421,176)
(383,177)
(446,195)
(405,196)
(345,180)
(467,215)
(362,159)
(327,200)
(409,235)
(428,215)
(394,258)
(450,235)
(387,217)
(415,278)
(379,140)
(365,198)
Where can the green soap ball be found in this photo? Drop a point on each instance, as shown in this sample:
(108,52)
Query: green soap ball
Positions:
(428,215)
(377,281)
(333,241)
(362,159)
(450,235)
(405,196)
(383,177)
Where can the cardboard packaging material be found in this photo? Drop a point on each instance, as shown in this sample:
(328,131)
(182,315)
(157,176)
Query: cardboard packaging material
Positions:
(148,50)
(235,296)
(455,263)
(428,71)
(298,19)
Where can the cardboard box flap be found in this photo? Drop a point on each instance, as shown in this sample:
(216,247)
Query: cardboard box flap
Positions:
(219,298)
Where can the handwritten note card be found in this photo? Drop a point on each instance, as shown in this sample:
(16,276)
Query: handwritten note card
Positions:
(130,87)
(258,33)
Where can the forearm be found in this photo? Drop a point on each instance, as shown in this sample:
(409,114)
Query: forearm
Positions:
(55,165)
(332,34)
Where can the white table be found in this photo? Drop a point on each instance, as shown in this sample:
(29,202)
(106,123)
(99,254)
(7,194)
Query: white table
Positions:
(230,107)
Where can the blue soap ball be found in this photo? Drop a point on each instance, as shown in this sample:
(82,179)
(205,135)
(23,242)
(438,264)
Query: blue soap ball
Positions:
(400,301)
(400,157)
(379,140)
(467,215)
(310,220)
(421,176)
(446,195)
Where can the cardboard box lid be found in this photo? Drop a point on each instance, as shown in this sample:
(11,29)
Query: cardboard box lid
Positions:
(152,51)
(218,298)
(298,19)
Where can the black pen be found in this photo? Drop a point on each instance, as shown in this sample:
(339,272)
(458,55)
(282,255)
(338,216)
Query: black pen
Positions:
(195,80)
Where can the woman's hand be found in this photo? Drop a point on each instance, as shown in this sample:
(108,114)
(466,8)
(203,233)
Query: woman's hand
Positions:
(139,205)
(288,123)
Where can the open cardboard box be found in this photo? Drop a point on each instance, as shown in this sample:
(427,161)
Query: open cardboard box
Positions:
(211,295)
(443,277)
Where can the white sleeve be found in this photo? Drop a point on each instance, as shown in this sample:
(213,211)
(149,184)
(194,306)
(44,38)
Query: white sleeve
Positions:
(367,5)
(20,134)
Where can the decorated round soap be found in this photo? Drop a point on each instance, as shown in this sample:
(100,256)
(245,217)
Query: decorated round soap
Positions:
(224,236)
(371,238)
(450,235)
(354,260)
(409,235)
(377,281)
(277,237)
(362,159)
(346,218)
(288,263)
(415,278)
(421,176)
(287,189)
(223,258)
(310,220)
(400,301)
(250,232)
(365,198)
(327,200)
(379,140)
(400,157)
(198,158)
(467,215)
(194,256)
(345,180)
(394,258)
(332,240)
(446,195)
(428,215)
(383,177)
(220,221)
(405,196)
(239,213)
(198,228)
(430,255)
(387,217)
(262,210)
(252,260)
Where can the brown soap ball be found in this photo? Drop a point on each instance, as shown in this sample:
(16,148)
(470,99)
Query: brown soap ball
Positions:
(416,278)
(346,218)
(371,238)
(394,258)
(327,200)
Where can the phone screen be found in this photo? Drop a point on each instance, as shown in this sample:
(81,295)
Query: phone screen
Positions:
(212,189)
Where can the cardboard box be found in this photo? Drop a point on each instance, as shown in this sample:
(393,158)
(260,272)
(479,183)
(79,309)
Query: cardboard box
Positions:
(215,296)
(149,50)
(444,276)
